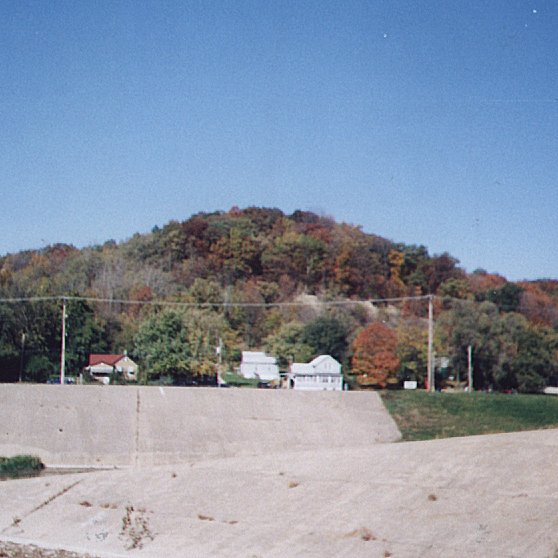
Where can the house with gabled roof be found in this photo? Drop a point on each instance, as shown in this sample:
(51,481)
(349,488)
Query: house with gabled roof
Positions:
(323,373)
(102,367)
(260,366)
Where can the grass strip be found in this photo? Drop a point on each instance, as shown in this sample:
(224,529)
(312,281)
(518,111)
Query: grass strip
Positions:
(425,416)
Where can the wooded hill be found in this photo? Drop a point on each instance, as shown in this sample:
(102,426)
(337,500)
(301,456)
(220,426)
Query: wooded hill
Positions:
(265,259)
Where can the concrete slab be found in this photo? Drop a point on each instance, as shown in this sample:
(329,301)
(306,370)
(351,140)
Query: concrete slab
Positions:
(133,426)
(221,473)
(72,425)
(482,496)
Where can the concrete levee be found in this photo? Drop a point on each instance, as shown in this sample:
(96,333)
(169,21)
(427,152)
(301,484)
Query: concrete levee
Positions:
(68,425)
(135,426)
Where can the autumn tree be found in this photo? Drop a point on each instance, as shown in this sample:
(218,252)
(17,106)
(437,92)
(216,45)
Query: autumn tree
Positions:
(396,287)
(481,281)
(358,268)
(375,362)
(538,306)
(412,351)
(296,255)
(236,254)
(247,313)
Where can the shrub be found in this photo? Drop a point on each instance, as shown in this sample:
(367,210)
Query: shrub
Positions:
(20,466)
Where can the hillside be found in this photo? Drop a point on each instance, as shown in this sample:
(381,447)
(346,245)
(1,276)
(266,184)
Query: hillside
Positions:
(240,270)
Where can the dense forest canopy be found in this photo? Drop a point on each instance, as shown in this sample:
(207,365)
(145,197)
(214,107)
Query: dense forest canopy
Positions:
(238,270)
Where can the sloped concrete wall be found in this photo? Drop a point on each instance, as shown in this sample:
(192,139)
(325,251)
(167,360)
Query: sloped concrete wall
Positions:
(72,425)
(135,426)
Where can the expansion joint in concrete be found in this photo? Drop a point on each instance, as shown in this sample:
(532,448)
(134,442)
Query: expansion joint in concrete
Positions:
(137,428)
(43,504)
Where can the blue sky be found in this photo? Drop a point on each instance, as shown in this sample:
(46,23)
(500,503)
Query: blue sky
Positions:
(426,122)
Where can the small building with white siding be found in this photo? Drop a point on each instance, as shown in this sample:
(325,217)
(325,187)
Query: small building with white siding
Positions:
(257,365)
(323,373)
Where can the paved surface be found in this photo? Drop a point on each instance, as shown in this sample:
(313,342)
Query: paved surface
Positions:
(134,426)
(485,496)
(493,496)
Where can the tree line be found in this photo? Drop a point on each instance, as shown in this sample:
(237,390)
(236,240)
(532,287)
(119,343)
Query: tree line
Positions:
(240,272)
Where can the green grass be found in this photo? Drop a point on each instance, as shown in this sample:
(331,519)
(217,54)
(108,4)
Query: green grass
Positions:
(425,416)
(239,381)
(20,466)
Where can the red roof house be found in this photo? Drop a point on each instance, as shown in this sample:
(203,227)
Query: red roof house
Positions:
(101,367)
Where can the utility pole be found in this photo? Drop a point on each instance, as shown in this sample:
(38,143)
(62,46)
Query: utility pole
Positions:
(63,349)
(22,357)
(429,365)
(219,351)
(470,366)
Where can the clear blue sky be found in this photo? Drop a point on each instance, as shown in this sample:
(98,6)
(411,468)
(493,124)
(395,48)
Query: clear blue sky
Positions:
(426,122)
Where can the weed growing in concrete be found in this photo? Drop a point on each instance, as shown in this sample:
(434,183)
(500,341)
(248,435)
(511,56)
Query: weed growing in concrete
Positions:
(135,528)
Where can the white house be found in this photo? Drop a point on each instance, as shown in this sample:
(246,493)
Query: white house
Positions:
(323,373)
(260,366)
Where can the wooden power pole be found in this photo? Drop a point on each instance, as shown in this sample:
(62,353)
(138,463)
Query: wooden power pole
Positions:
(430,364)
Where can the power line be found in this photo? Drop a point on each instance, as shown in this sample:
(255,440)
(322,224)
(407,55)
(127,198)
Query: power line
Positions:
(31,299)
(224,305)
(346,302)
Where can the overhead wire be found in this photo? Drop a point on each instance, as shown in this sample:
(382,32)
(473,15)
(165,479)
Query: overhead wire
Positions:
(344,302)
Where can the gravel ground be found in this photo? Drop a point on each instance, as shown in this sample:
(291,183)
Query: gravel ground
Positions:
(12,550)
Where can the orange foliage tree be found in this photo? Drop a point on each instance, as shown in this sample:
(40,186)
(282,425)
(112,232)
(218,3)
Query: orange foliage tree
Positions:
(538,306)
(375,362)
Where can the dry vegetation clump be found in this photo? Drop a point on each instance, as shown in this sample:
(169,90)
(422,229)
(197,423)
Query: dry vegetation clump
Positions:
(12,550)
(362,533)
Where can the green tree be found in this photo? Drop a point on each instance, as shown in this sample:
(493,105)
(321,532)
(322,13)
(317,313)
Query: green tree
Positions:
(86,334)
(455,288)
(287,345)
(508,351)
(41,322)
(9,349)
(527,354)
(467,323)
(506,298)
(326,336)
(180,343)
